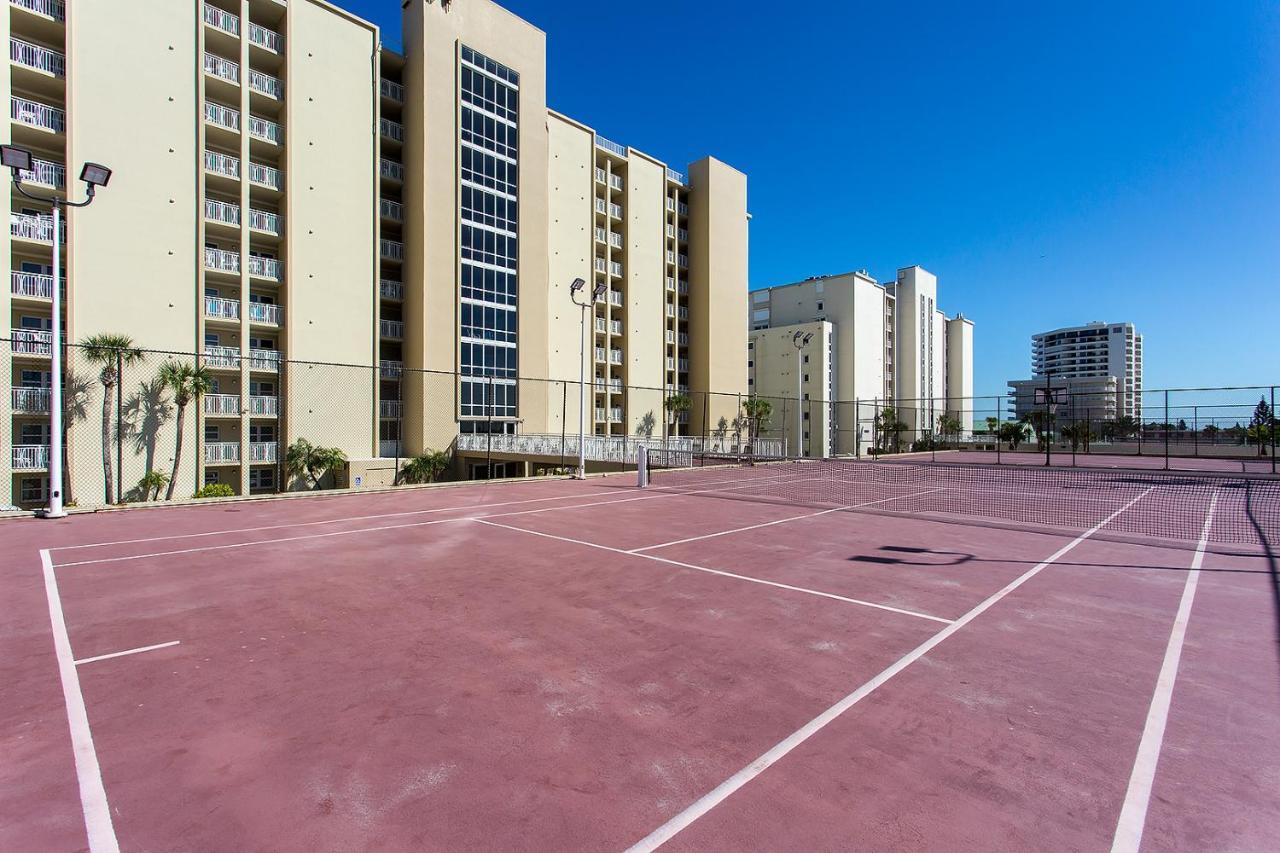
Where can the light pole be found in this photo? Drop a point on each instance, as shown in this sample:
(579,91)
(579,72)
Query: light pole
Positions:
(94,175)
(598,291)
(800,340)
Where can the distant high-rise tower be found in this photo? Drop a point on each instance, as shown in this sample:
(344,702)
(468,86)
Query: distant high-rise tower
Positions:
(1093,351)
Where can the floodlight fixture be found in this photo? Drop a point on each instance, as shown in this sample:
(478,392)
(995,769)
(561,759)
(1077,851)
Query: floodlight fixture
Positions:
(95,175)
(577,285)
(13,157)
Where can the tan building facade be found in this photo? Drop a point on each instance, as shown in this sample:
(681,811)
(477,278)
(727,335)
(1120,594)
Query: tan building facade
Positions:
(288,196)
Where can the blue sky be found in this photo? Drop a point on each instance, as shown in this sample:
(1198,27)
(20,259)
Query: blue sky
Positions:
(1053,163)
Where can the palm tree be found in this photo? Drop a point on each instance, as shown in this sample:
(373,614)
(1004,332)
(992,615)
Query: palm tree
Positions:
(426,467)
(110,352)
(889,427)
(949,425)
(675,404)
(311,462)
(149,486)
(1013,432)
(186,382)
(757,411)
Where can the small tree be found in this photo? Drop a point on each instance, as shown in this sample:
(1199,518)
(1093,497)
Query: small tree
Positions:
(1211,432)
(889,427)
(186,383)
(644,426)
(720,432)
(311,463)
(1125,426)
(1014,432)
(993,426)
(1260,425)
(426,467)
(109,352)
(149,486)
(676,404)
(949,425)
(757,412)
(1079,434)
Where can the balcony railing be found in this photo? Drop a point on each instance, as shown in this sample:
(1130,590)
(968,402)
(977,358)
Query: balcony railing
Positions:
(33,285)
(56,9)
(222,211)
(392,250)
(264,405)
(267,176)
(391,169)
(269,131)
(38,115)
(682,261)
(601,265)
(684,209)
(602,206)
(31,400)
(391,328)
(602,325)
(37,57)
(390,369)
(222,19)
(46,173)
(264,220)
(222,404)
(615,415)
(265,267)
(615,239)
(610,146)
(222,164)
(671,336)
(601,234)
(391,129)
(615,356)
(221,260)
(391,409)
(30,457)
(268,313)
(388,448)
(615,211)
(216,356)
(262,451)
(615,298)
(601,175)
(264,359)
(266,84)
(222,116)
(678,177)
(391,289)
(615,181)
(601,354)
(221,452)
(34,227)
(391,89)
(392,210)
(683,339)
(217,308)
(31,341)
(221,67)
(607,448)
(265,38)
(600,413)
(615,268)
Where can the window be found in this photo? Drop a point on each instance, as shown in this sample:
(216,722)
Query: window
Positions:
(819,304)
(210,476)
(262,433)
(211,339)
(36,379)
(262,479)
(750,363)
(806,359)
(211,432)
(261,389)
(806,377)
(34,489)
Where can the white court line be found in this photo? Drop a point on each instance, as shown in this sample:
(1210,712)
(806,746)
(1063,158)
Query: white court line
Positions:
(719,572)
(721,792)
(1133,816)
(779,521)
(128,652)
(93,796)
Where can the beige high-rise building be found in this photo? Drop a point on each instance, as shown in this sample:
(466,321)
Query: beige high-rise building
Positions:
(288,196)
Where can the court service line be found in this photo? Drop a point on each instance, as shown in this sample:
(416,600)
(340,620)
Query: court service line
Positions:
(780,521)
(734,575)
(725,789)
(1133,815)
(128,652)
(93,795)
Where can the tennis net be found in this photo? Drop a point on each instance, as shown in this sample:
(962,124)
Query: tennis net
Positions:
(1245,509)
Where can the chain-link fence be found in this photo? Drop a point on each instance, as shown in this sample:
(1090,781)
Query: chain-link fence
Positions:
(147,425)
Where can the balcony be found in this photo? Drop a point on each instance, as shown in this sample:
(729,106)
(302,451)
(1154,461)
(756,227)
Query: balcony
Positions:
(261,405)
(391,210)
(225,405)
(615,415)
(391,329)
(615,356)
(682,261)
(611,147)
(683,208)
(267,313)
(682,234)
(388,369)
(391,289)
(221,357)
(220,260)
(53,9)
(216,308)
(265,38)
(615,298)
(26,226)
(390,409)
(222,164)
(684,365)
(391,130)
(615,239)
(671,336)
(392,250)
(615,269)
(601,354)
(671,310)
(37,57)
(601,175)
(264,267)
(677,177)
(46,173)
(267,131)
(37,115)
(32,285)
(683,339)
(683,313)
(671,284)
(391,170)
(265,84)
(222,68)
(222,453)
(264,220)
(601,265)
(222,211)
(600,414)
(222,20)
(391,90)
(264,359)
(31,400)
(602,206)
(684,288)
(30,457)
(262,451)
(222,116)
(266,176)
(615,211)
(615,181)
(601,234)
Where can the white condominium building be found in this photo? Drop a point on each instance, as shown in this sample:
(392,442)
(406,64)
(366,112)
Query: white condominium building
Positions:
(890,345)
(1094,351)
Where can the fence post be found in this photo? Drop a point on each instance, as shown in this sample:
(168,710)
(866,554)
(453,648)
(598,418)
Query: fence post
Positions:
(119,426)
(488,409)
(1166,430)
(857,428)
(1195,431)
(999,422)
(1273,429)
(279,478)
(564,411)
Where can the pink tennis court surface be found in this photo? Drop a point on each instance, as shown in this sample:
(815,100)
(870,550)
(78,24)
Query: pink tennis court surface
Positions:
(558,665)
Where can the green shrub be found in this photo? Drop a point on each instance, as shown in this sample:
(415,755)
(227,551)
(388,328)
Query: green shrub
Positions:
(215,490)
